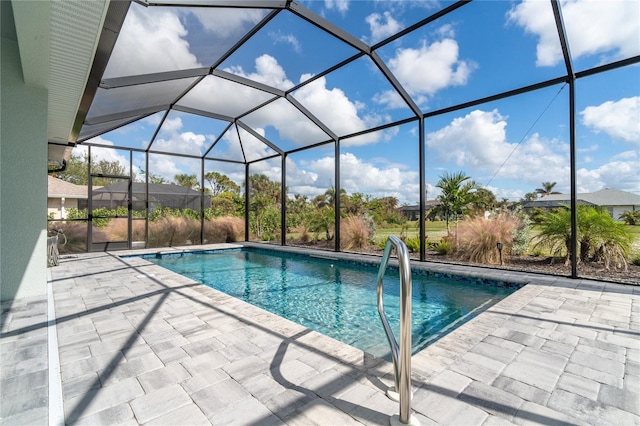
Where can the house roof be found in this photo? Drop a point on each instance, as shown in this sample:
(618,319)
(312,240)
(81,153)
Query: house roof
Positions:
(427,204)
(58,188)
(603,197)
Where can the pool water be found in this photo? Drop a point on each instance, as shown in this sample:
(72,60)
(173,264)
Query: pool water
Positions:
(338,298)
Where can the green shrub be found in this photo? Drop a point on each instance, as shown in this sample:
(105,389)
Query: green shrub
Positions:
(631,217)
(160,212)
(74,213)
(444,246)
(265,223)
(521,235)
(537,214)
(636,260)
(413,244)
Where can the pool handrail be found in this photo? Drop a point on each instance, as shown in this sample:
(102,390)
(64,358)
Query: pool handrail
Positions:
(401,356)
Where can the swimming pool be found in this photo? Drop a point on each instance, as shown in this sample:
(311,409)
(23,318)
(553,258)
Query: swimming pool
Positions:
(338,298)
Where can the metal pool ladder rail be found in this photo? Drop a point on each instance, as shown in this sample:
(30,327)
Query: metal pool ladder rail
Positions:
(402,356)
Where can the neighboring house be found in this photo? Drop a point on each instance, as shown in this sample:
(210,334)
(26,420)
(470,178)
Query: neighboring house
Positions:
(62,195)
(413,212)
(615,201)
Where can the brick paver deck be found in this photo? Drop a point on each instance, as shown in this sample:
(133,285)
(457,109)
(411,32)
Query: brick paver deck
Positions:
(141,345)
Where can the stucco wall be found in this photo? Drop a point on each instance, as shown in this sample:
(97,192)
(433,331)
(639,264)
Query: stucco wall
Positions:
(23,180)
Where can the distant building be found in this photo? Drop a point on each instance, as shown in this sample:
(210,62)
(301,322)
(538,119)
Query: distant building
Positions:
(615,201)
(413,212)
(62,195)
(160,195)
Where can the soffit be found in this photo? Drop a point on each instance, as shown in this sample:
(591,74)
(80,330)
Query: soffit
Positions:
(75,30)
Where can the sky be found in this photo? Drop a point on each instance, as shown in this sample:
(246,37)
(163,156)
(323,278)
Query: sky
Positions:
(509,146)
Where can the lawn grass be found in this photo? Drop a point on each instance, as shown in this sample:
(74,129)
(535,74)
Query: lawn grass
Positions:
(434,231)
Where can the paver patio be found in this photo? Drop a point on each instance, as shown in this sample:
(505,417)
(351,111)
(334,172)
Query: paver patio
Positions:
(138,344)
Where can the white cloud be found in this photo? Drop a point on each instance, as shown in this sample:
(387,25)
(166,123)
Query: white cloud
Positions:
(252,148)
(590,148)
(170,139)
(172,125)
(382,26)
(288,121)
(269,168)
(623,175)
(473,140)
(165,166)
(152,120)
(301,181)
(390,98)
(279,37)
(268,71)
(426,70)
(332,107)
(477,143)
(105,154)
(224,97)
(358,175)
(226,22)
(151,40)
(627,155)
(341,6)
(593,27)
(618,119)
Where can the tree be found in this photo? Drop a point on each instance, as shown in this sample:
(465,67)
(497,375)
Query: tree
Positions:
(457,193)
(263,188)
(188,181)
(77,171)
(530,196)
(264,206)
(483,200)
(220,183)
(547,189)
(355,204)
(153,178)
(385,209)
(227,204)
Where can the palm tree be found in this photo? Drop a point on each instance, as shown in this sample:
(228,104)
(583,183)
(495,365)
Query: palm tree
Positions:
(457,193)
(547,189)
(323,216)
(600,238)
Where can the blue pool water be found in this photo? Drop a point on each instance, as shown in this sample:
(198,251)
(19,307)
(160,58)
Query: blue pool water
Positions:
(338,298)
